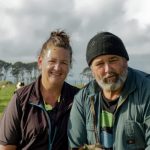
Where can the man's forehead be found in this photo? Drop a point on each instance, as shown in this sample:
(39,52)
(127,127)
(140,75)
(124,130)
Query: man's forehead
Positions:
(101,57)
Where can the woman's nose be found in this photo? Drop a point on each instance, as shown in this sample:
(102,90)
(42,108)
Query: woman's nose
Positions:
(57,66)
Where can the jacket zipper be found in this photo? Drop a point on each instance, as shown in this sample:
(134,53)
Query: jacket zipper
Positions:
(49,124)
(118,106)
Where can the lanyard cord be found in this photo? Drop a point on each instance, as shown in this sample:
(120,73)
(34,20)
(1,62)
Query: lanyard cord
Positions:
(94,119)
(98,144)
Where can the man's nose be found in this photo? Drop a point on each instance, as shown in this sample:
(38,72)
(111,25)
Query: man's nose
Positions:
(107,67)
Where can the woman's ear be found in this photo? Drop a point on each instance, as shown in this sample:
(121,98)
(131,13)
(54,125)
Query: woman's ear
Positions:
(40,62)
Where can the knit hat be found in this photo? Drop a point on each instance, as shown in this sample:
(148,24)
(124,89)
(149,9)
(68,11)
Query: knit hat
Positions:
(105,43)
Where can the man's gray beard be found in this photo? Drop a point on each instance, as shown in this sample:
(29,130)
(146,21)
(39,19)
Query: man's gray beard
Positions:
(116,85)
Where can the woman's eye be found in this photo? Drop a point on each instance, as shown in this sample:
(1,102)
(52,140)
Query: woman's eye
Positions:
(52,61)
(65,63)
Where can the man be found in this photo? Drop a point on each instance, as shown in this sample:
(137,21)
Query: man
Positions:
(114,109)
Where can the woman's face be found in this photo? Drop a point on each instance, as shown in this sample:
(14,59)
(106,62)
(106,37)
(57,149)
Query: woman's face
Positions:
(54,65)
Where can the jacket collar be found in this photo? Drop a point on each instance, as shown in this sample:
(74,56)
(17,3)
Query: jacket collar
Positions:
(36,97)
(129,85)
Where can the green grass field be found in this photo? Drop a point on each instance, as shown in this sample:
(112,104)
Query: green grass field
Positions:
(5,96)
(7,92)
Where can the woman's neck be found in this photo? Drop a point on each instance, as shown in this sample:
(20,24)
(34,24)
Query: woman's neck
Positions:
(51,94)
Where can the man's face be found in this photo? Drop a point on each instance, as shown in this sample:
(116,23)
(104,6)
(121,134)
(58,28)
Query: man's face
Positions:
(110,71)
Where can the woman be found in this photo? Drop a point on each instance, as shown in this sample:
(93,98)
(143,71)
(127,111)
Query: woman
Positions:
(37,116)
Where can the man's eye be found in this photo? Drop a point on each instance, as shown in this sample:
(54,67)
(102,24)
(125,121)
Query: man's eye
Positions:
(113,60)
(99,64)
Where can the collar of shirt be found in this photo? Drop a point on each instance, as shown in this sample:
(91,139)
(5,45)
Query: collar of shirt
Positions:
(48,106)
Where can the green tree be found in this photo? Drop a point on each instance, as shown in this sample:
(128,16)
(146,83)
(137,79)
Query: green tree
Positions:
(32,70)
(6,66)
(87,73)
(17,69)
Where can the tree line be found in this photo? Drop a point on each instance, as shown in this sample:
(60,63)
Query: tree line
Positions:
(18,71)
(28,72)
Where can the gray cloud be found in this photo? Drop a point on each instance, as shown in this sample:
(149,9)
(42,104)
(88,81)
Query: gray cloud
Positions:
(24,28)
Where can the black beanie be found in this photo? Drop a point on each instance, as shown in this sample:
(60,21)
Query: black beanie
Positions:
(105,43)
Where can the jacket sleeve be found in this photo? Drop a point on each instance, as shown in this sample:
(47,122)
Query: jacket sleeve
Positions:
(10,124)
(147,126)
(76,126)
(146,97)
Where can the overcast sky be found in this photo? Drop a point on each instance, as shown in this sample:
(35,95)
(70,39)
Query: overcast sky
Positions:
(26,24)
